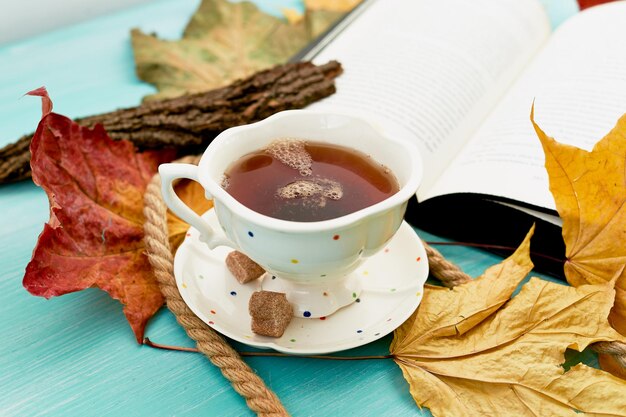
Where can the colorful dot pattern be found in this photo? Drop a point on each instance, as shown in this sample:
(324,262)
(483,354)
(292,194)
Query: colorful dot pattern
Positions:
(335,237)
(308,313)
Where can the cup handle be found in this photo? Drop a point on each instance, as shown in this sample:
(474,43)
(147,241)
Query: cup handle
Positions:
(169,174)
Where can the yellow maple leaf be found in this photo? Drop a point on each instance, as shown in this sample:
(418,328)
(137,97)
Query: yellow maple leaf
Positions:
(473,351)
(589,190)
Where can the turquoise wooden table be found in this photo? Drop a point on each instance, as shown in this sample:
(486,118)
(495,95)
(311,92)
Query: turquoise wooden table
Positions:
(75,355)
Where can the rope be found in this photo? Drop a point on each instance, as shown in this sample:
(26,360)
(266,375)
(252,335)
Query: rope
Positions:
(442,269)
(616,349)
(248,384)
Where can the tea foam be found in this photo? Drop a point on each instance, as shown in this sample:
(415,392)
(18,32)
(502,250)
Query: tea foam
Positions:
(292,152)
(316,189)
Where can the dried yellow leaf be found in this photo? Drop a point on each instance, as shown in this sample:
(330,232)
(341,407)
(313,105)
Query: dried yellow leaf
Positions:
(471,351)
(589,189)
(486,294)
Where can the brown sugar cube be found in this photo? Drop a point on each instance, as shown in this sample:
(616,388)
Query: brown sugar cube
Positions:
(271,313)
(243,268)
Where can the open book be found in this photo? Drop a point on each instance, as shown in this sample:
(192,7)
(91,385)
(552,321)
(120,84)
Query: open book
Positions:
(458,78)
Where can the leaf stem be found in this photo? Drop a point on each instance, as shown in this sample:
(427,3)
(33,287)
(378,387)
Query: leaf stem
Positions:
(150,343)
(489,246)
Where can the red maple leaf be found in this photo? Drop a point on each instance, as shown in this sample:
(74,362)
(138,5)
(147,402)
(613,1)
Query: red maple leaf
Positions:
(94,237)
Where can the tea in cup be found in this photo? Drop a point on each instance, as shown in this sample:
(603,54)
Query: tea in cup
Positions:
(299,180)
(308,196)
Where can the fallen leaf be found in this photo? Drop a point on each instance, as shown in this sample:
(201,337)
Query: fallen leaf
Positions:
(46,103)
(94,237)
(469,352)
(223,41)
(589,190)
(481,299)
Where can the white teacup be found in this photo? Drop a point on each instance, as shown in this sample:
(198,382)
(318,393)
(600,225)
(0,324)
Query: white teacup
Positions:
(312,261)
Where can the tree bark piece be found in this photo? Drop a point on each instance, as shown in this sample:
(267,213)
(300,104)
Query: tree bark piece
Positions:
(189,123)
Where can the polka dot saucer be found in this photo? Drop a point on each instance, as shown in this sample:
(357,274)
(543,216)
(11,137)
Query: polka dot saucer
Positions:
(392,285)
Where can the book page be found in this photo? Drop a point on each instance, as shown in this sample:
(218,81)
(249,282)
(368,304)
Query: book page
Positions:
(431,70)
(578,83)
